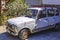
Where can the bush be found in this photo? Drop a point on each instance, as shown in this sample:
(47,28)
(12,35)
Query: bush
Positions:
(15,8)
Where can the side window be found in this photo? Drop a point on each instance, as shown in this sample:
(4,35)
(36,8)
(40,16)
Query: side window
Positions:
(41,14)
(57,12)
(50,12)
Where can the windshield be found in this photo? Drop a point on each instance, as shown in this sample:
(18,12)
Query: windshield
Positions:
(32,13)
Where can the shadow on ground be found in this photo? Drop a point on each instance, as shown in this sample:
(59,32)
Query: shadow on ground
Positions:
(43,35)
(50,34)
(6,36)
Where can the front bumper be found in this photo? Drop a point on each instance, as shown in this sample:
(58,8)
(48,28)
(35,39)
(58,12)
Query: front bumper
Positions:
(10,31)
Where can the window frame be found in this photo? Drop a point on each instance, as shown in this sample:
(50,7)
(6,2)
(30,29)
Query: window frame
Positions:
(57,12)
(51,14)
(42,12)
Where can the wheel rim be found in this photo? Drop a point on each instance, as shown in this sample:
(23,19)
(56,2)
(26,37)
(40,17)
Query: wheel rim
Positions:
(24,35)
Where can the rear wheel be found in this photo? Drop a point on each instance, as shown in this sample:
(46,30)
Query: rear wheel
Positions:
(23,34)
(57,27)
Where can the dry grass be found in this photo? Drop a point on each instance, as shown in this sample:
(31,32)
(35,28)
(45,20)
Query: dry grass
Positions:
(2,29)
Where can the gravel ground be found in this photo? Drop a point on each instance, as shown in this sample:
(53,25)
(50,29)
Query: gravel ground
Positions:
(2,29)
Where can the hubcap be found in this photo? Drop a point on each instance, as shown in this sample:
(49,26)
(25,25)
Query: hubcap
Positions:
(24,35)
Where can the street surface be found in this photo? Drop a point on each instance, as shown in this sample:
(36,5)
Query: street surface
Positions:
(50,34)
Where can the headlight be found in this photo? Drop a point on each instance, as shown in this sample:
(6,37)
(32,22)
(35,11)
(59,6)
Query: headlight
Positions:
(13,27)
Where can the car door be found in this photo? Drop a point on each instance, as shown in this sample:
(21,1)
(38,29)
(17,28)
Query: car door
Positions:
(57,17)
(51,20)
(42,21)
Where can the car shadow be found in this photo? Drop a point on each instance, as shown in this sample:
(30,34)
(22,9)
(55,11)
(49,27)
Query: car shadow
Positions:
(6,36)
(49,34)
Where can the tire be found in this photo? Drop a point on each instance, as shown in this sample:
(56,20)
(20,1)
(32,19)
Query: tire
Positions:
(23,34)
(57,27)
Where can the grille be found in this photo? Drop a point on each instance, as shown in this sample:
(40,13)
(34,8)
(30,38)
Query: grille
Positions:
(13,28)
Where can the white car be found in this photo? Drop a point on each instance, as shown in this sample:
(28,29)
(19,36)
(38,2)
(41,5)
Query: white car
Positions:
(40,19)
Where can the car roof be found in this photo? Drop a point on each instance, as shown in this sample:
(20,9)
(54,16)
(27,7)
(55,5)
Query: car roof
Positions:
(41,8)
(36,8)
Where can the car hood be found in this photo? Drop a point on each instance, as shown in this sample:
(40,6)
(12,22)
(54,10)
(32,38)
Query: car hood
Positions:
(19,20)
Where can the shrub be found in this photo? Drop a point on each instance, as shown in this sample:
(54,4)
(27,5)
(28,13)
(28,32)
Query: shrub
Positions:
(14,8)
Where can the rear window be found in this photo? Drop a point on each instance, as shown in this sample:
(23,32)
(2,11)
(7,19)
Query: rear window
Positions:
(57,12)
(50,12)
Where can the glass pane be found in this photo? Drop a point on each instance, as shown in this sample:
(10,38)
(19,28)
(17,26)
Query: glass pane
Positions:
(42,14)
(32,13)
(57,12)
(50,12)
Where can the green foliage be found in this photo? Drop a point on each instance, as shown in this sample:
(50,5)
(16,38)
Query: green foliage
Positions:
(15,8)
(10,1)
(0,21)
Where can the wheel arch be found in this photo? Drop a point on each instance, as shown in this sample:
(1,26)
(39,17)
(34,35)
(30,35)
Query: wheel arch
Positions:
(25,28)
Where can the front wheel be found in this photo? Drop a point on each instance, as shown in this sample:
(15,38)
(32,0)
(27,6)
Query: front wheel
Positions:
(23,34)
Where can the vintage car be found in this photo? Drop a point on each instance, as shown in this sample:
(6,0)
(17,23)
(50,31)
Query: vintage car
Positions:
(39,19)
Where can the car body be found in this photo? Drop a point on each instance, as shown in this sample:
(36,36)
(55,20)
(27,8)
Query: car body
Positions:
(40,19)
